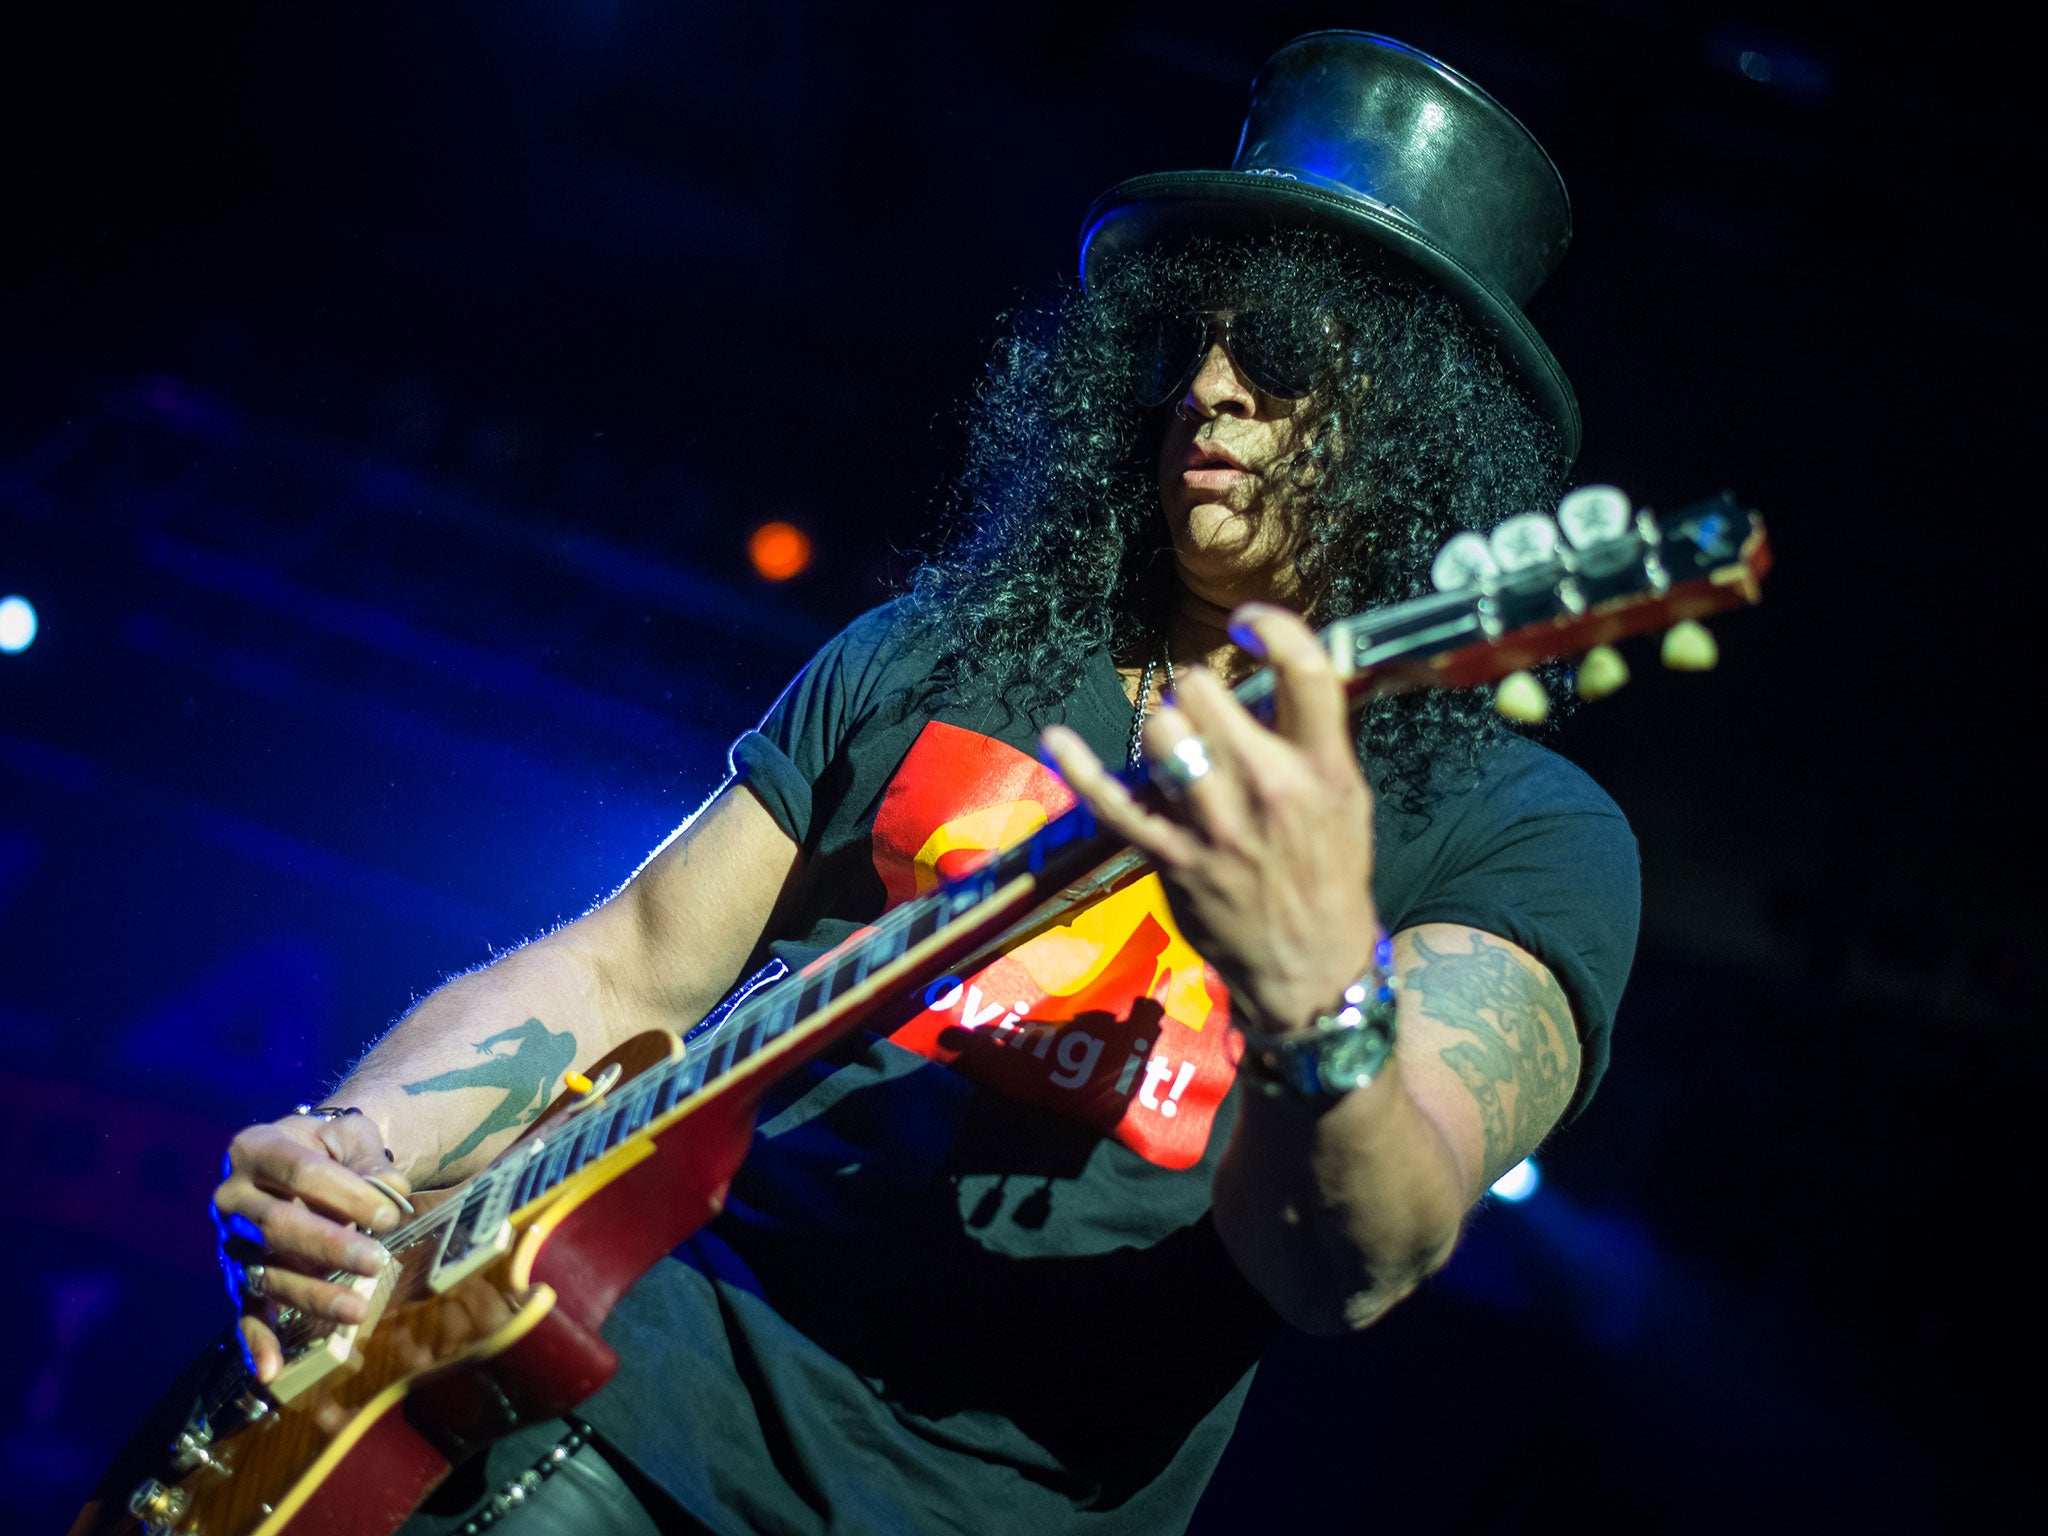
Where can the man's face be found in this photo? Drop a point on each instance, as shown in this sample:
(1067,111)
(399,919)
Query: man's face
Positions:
(1233,511)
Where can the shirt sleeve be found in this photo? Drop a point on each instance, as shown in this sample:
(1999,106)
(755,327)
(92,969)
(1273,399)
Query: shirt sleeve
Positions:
(783,758)
(1552,867)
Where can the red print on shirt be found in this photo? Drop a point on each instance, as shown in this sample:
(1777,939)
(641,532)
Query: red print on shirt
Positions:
(1111,1019)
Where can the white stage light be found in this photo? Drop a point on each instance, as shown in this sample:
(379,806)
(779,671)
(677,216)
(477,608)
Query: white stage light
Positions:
(17,624)
(1519,1182)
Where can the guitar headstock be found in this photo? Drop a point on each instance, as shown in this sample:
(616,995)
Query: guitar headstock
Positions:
(1539,587)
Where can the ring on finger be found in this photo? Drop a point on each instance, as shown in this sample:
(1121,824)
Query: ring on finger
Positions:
(255,1281)
(1182,767)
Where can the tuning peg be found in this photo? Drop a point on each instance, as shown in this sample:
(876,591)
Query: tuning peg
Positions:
(1601,672)
(1594,514)
(1689,648)
(1524,540)
(1521,697)
(1467,561)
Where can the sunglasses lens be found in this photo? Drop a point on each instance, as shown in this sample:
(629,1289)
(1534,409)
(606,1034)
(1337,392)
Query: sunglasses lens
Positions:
(1167,351)
(1280,350)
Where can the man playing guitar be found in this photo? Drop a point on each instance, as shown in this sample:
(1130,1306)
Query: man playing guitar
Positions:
(1009,1265)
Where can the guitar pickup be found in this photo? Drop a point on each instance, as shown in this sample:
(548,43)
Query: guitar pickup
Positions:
(477,1235)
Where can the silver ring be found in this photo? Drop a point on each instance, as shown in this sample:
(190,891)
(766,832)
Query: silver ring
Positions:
(1178,771)
(255,1279)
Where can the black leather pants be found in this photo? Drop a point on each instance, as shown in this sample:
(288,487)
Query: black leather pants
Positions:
(551,1479)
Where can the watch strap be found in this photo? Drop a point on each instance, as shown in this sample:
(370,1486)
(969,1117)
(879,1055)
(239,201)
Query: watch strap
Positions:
(1342,1049)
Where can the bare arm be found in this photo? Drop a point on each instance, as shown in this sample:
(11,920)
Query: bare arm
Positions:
(457,1079)
(454,1081)
(1336,1214)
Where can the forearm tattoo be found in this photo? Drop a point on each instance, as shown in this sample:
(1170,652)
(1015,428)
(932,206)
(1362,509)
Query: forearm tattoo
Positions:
(536,1057)
(1522,1057)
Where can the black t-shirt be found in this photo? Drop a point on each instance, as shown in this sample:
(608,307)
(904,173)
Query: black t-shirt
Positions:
(967,1280)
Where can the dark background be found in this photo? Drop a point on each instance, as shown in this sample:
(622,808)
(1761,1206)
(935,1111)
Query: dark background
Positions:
(390,390)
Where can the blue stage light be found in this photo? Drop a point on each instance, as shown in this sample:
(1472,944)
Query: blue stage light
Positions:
(1519,1182)
(17,624)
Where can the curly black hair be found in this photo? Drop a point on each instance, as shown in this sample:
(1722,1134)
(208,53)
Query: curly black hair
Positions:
(1056,544)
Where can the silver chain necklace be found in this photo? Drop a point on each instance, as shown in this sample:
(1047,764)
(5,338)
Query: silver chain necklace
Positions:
(1136,754)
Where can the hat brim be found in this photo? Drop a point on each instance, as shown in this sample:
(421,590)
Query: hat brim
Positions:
(1146,210)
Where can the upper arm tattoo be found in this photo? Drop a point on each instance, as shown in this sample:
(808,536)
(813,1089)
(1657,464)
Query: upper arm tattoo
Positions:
(1520,1057)
(538,1056)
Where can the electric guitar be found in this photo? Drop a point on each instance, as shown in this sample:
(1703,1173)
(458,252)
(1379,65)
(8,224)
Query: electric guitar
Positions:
(486,1314)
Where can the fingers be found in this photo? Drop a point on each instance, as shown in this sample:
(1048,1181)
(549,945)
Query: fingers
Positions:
(1309,706)
(1201,705)
(289,1206)
(294,1300)
(289,1210)
(266,1356)
(355,1141)
(272,1294)
(312,1294)
(1165,841)
(1216,804)
(321,1163)
(293,1233)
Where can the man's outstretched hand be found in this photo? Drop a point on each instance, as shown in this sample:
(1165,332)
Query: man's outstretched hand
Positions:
(292,1208)
(1267,857)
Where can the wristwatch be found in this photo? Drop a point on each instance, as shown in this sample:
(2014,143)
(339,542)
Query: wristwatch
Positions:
(1341,1050)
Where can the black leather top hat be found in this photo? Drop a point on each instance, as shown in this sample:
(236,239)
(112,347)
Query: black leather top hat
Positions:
(1366,136)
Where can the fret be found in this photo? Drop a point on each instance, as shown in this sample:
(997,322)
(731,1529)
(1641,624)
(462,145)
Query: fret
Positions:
(846,975)
(668,1088)
(812,996)
(1013,861)
(585,1146)
(532,1180)
(884,948)
(563,1163)
(924,922)
(777,1011)
(745,1042)
(895,940)
(639,1110)
(537,1182)
(557,1166)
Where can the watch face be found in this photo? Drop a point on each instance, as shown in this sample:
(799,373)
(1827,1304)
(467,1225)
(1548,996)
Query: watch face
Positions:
(1352,1059)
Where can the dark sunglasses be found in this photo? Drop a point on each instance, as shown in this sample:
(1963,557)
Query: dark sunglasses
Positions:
(1279,350)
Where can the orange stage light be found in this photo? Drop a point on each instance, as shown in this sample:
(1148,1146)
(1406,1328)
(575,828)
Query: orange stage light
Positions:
(779,550)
